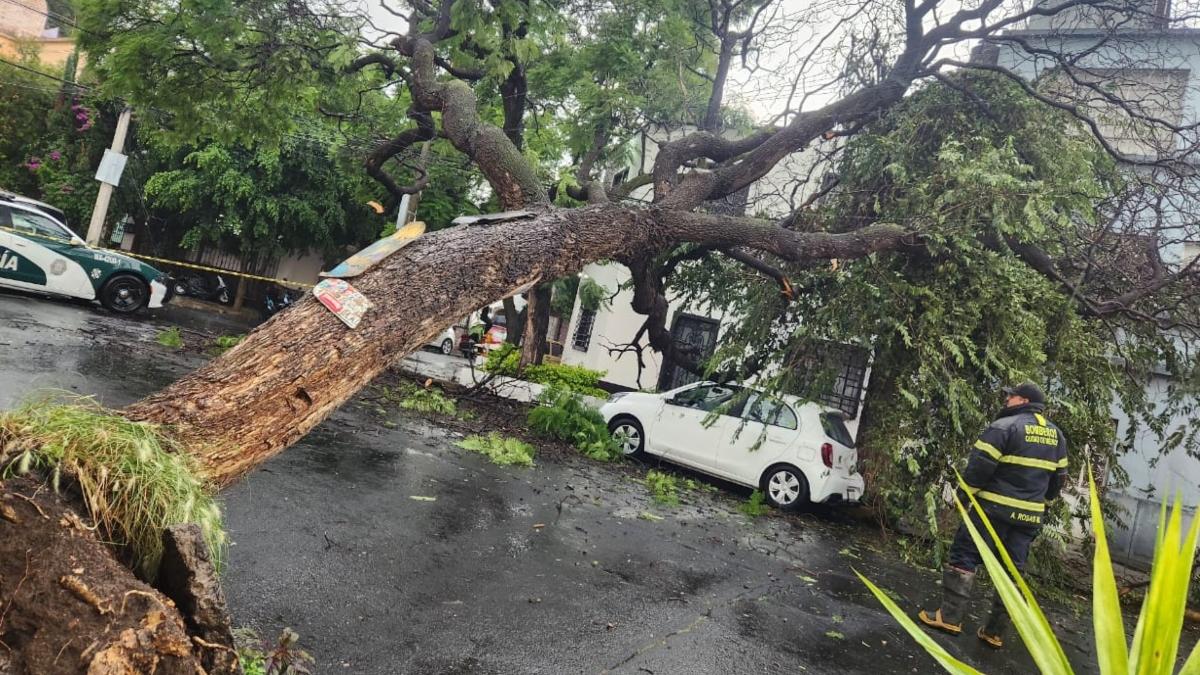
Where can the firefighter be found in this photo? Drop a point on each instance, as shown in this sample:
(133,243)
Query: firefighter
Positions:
(1018,465)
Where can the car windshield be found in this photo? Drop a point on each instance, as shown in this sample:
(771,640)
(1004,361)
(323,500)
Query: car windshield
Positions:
(38,225)
(836,429)
(707,397)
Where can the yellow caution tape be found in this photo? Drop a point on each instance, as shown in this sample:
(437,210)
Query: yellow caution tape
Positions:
(205,268)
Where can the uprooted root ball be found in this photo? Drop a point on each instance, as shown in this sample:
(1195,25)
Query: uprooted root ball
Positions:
(134,480)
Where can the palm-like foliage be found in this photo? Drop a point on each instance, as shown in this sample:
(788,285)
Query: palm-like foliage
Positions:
(1155,644)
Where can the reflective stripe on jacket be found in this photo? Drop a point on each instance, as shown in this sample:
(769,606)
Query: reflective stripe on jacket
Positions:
(1018,464)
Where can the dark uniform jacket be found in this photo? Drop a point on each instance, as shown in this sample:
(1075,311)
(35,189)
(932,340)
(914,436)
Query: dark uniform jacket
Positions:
(1019,463)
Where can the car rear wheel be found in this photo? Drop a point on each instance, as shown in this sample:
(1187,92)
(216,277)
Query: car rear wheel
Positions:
(784,487)
(124,294)
(447,346)
(628,434)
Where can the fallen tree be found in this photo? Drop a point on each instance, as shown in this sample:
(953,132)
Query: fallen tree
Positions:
(290,373)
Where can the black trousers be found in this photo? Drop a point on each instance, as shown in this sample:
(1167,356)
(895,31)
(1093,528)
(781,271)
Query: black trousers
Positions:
(1016,539)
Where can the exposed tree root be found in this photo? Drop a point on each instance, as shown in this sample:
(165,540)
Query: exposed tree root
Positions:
(68,606)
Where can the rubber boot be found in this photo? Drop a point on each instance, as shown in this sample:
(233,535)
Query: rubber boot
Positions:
(956,593)
(993,632)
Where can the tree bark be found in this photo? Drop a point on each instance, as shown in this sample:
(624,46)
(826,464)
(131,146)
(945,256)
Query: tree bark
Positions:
(294,370)
(537,322)
(514,323)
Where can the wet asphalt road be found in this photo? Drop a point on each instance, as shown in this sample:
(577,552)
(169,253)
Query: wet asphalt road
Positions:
(392,551)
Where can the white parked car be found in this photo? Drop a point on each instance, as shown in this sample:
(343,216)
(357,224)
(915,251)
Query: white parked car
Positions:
(795,452)
(447,340)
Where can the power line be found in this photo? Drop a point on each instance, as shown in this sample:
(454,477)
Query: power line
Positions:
(51,15)
(45,75)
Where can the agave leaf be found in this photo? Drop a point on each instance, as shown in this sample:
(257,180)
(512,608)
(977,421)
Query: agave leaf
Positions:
(1111,651)
(1156,642)
(935,650)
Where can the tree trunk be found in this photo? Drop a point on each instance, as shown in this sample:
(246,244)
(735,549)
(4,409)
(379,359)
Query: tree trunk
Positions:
(514,322)
(290,373)
(537,322)
(294,370)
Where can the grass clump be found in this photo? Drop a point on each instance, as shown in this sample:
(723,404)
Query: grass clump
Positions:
(170,337)
(502,450)
(564,415)
(225,343)
(756,505)
(135,481)
(664,487)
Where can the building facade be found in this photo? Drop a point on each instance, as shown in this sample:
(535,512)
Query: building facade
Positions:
(30,27)
(1149,63)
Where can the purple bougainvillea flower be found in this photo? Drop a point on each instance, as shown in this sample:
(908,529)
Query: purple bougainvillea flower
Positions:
(55,155)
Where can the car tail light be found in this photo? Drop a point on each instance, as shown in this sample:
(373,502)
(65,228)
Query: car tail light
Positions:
(827,454)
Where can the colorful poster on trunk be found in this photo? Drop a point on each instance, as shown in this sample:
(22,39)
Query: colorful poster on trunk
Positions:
(343,300)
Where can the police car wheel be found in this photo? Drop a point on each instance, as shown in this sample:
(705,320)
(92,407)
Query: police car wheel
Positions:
(124,293)
(447,346)
(784,487)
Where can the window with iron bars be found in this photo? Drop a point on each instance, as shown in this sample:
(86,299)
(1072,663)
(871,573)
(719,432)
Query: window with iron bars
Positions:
(583,330)
(837,373)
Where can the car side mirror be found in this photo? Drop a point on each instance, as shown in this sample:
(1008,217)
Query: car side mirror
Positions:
(78,242)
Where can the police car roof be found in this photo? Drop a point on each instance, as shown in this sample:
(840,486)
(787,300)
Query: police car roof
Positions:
(15,198)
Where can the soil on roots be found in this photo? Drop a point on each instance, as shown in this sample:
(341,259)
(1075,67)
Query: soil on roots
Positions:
(68,606)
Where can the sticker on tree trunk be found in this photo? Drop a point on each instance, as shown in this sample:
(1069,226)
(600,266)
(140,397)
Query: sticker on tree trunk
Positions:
(343,300)
(371,255)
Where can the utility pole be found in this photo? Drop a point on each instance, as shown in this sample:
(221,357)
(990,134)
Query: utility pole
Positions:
(109,175)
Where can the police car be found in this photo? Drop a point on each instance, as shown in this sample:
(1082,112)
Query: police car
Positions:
(38,253)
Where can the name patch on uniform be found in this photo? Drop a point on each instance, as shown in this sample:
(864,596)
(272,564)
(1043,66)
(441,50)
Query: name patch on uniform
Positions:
(1035,433)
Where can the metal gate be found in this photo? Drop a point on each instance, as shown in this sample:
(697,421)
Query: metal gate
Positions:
(689,330)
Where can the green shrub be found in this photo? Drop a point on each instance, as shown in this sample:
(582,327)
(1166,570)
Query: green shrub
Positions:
(563,415)
(258,657)
(134,480)
(585,381)
(1157,636)
(501,450)
(755,506)
(663,487)
(170,337)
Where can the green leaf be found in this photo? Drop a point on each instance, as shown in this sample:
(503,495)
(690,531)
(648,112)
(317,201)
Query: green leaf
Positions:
(938,652)
(1111,651)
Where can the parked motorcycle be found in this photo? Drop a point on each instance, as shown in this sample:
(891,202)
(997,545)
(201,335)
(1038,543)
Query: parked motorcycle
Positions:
(201,286)
(276,301)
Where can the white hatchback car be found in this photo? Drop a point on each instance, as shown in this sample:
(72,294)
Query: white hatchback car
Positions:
(795,452)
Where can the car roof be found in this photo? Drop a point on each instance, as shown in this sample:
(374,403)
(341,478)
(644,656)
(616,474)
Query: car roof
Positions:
(22,200)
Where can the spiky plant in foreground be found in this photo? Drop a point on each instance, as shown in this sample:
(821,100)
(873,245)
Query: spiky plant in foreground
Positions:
(1156,639)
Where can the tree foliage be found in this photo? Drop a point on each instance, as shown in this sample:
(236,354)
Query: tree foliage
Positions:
(949,325)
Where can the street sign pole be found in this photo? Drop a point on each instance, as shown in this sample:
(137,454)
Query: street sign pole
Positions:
(107,180)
